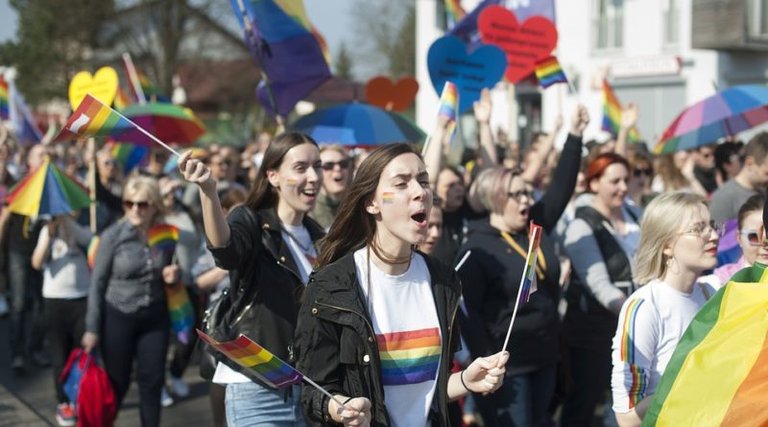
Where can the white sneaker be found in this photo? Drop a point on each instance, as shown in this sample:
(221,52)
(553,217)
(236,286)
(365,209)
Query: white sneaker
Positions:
(179,387)
(165,399)
(3,305)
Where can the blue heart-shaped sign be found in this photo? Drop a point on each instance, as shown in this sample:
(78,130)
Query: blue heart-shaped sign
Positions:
(448,60)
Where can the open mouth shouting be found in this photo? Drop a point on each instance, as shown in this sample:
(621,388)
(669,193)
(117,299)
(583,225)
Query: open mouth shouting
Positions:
(420,218)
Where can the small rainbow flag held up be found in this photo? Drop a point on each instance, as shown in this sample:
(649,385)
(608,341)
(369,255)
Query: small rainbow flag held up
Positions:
(449,105)
(93,118)
(5,112)
(528,279)
(93,248)
(718,372)
(257,360)
(128,156)
(181,311)
(454,12)
(549,72)
(612,114)
(163,237)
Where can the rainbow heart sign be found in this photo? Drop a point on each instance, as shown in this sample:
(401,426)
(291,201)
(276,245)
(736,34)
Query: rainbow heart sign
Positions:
(392,96)
(525,44)
(102,86)
(448,60)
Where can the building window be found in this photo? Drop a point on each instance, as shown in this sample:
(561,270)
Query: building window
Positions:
(609,22)
(671,17)
(758,19)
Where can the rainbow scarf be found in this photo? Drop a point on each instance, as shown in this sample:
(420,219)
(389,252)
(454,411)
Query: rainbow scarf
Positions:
(181,311)
(163,237)
(409,357)
(529,272)
(549,72)
(256,359)
(449,105)
(718,372)
(612,114)
(4,103)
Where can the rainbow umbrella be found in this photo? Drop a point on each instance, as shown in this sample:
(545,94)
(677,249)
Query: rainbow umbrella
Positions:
(128,155)
(168,122)
(47,191)
(725,113)
(358,125)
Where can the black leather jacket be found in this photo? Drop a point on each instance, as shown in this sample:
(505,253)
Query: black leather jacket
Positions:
(266,285)
(336,345)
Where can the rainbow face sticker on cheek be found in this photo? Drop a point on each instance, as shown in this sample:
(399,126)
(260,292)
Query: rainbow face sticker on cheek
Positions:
(291,182)
(388,198)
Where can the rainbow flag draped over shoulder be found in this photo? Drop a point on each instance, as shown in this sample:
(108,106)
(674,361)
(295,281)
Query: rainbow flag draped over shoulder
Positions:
(4,109)
(163,237)
(612,114)
(718,374)
(93,118)
(256,359)
(549,72)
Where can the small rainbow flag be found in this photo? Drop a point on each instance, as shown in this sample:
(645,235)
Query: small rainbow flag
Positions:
(163,237)
(128,156)
(5,112)
(449,105)
(256,359)
(93,248)
(718,372)
(93,118)
(612,114)
(409,357)
(454,12)
(181,311)
(549,72)
(528,285)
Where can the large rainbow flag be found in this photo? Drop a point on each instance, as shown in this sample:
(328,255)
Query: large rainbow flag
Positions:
(4,110)
(93,118)
(612,114)
(256,359)
(718,374)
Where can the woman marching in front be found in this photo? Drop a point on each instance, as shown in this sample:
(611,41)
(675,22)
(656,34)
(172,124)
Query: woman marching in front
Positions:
(378,324)
(678,244)
(267,244)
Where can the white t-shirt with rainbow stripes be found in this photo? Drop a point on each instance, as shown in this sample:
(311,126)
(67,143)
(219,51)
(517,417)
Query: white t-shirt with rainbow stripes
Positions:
(408,334)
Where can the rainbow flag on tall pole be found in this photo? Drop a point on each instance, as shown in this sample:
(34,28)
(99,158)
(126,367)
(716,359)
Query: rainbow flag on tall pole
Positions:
(612,114)
(528,279)
(4,99)
(718,372)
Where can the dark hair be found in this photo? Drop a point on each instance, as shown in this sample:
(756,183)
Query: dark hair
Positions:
(262,194)
(353,226)
(723,154)
(754,203)
(232,198)
(599,164)
(757,147)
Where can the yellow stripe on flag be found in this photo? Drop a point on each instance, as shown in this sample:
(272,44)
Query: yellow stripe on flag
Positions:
(736,340)
(98,122)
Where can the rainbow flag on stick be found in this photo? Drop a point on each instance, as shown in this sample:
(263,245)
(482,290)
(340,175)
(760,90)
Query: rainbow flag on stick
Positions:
(528,279)
(4,103)
(93,248)
(549,72)
(454,12)
(718,373)
(612,114)
(449,105)
(181,311)
(163,237)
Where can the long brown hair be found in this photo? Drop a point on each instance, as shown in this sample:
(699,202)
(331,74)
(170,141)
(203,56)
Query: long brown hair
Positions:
(354,226)
(263,195)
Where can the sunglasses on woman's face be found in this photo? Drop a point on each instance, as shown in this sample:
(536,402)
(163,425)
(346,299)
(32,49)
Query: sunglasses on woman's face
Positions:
(128,204)
(640,172)
(754,237)
(329,166)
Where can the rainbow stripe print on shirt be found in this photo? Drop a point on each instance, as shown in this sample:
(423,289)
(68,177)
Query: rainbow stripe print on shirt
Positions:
(409,357)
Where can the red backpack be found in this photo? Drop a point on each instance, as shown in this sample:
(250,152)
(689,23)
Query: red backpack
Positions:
(87,384)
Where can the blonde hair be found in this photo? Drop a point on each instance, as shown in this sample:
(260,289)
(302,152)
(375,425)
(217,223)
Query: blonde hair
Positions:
(140,185)
(491,187)
(661,223)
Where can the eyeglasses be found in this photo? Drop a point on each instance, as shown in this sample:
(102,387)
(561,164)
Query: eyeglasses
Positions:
(128,204)
(329,166)
(637,173)
(704,229)
(518,195)
(754,237)
(223,163)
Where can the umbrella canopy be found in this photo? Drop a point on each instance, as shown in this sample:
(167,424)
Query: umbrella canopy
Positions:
(47,191)
(358,125)
(725,113)
(168,122)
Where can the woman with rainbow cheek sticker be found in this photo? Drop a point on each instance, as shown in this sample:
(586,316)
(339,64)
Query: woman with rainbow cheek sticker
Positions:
(378,326)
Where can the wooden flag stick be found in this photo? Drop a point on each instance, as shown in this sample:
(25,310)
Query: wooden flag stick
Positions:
(519,291)
(152,137)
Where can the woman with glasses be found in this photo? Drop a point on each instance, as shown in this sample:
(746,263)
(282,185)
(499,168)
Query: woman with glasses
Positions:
(491,279)
(750,236)
(127,313)
(337,174)
(601,242)
(678,244)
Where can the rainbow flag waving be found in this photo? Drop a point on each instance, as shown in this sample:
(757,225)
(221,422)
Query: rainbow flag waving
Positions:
(612,114)
(528,285)
(93,118)
(181,311)
(549,72)
(163,237)
(4,109)
(718,373)
(257,360)
(449,105)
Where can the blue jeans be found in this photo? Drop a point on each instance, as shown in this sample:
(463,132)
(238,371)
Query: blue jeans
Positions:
(521,401)
(251,404)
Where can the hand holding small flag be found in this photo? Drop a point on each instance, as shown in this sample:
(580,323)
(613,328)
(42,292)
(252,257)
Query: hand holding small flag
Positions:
(485,374)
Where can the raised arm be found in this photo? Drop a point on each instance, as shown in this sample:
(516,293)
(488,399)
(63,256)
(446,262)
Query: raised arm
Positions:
(215,223)
(487,155)
(628,122)
(537,159)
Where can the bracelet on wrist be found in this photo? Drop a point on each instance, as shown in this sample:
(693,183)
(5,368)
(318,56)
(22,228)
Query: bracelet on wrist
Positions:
(461,377)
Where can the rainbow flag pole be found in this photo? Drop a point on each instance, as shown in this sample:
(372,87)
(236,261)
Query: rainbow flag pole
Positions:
(527,281)
(447,107)
(134,78)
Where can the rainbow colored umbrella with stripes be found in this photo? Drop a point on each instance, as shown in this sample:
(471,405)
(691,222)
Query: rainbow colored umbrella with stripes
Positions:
(168,122)
(47,191)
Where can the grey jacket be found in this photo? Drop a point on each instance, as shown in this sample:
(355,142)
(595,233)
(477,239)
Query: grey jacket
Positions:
(127,275)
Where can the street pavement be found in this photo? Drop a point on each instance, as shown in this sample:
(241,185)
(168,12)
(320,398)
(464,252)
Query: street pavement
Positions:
(29,400)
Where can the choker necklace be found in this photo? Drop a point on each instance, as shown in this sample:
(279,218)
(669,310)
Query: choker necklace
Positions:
(389,259)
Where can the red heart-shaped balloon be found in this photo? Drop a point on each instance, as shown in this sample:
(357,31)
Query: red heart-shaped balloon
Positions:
(382,92)
(524,44)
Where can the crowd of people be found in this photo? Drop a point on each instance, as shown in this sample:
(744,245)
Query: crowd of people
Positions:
(346,264)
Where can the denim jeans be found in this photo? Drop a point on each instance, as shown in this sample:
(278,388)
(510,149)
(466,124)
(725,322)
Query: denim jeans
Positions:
(27,319)
(521,401)
(251,404)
